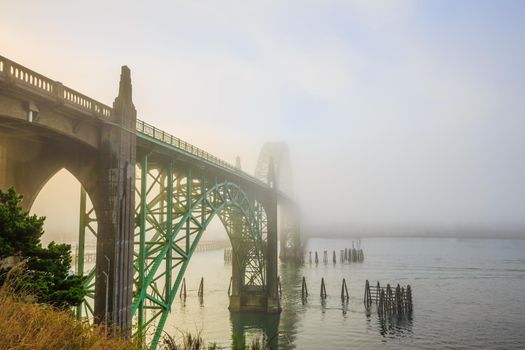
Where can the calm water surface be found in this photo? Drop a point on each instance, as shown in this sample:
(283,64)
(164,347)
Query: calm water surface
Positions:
(468,294)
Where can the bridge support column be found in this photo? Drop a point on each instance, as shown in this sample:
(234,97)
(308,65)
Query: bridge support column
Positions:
(273,303)
(237,299)
(115,215)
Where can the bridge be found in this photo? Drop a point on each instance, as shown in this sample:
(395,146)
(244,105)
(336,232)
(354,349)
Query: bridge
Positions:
(152,197)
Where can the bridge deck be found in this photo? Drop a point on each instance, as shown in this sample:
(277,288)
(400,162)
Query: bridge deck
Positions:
(37,84)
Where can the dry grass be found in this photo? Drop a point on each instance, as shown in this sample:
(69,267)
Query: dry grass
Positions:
(25,325)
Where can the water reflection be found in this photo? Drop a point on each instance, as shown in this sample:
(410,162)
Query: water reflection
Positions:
(397,326)
(254,325)
(291,302)
(390,325)
(443,309)
(276,331)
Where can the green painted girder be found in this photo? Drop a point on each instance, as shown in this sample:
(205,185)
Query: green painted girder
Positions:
(87,219)
(175,212)
(174,209)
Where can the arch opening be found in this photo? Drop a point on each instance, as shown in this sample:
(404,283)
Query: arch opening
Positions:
(70,219)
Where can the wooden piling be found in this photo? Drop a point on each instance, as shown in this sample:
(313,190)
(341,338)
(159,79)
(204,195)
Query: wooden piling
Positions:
(230,287)
(200,293)
(325,256)
(323,289)
(389,301)
(228,255)
(310,257)
(304,289)
(367,299)
(386,299)
(344,291)
(409,298)
(380,303)
(182,293)
(280,288)
(316,258)
(334,259)
(399,300)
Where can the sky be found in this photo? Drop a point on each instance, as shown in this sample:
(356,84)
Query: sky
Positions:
(396,113)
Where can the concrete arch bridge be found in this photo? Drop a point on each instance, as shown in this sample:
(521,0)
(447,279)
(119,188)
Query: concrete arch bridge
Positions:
(153,196)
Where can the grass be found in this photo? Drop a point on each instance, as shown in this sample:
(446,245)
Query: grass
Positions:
(190,341)
(26,325)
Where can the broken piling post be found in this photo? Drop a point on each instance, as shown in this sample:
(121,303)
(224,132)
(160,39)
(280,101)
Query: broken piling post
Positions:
(344,291)
(304,289)
(200,293)
(323,289)
(182,293)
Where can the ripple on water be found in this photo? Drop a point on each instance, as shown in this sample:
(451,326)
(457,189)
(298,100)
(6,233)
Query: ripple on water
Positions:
(467,295)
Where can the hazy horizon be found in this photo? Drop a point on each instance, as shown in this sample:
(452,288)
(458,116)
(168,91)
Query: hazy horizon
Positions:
(399,115)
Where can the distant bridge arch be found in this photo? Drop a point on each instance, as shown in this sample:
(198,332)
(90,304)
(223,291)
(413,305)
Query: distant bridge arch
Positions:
(278,153)
(275,158)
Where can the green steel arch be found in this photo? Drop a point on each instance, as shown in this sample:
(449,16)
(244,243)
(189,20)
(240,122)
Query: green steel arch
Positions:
(174,209)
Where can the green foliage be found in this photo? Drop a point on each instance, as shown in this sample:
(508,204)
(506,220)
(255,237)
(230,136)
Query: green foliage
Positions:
(19,232)
(47,269)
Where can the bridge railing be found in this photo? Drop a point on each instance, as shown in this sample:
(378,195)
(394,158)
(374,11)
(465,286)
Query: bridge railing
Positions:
(86,103)
(31,80)
(15,71)
(174,141)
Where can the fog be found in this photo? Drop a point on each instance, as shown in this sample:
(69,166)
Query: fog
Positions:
(402,117)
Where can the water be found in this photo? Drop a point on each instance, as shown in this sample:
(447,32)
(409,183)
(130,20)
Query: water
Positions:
(468,294)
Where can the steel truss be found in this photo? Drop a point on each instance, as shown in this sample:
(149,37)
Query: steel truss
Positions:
(87,224)
(174,208)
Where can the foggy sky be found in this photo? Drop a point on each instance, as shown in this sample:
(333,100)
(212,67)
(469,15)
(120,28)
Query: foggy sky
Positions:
(395,112)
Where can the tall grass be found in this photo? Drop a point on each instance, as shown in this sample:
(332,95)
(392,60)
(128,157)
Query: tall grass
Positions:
(25,325)
(190,341)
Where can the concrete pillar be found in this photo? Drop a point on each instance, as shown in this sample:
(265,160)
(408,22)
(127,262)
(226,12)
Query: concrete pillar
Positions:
(115,215)
(273,304)
(236,296)
(270,206)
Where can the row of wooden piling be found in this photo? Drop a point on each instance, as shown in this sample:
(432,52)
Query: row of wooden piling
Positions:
(353,255)
(323,294)
(389,301)
(228,254)
(200,292)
